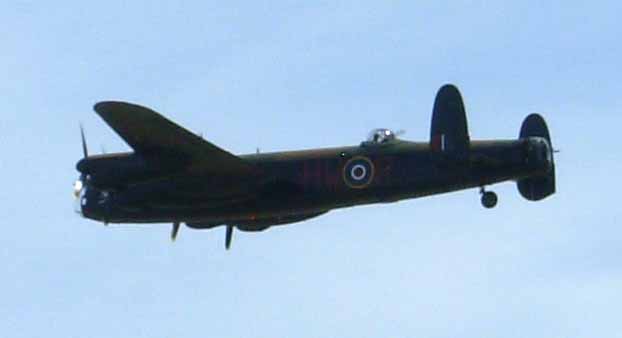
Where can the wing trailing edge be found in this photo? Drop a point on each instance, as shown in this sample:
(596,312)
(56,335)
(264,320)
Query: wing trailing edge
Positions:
(158,139)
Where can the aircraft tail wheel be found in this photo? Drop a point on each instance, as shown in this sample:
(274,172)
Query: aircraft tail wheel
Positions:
(489,199)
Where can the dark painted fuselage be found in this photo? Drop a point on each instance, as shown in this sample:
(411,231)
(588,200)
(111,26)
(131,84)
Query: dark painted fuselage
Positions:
(292,186)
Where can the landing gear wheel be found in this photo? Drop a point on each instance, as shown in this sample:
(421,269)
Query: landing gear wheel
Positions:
(489,199)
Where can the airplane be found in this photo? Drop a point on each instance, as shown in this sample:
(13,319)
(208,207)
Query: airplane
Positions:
(175,176)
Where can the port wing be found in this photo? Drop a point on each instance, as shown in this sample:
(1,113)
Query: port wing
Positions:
(159,139)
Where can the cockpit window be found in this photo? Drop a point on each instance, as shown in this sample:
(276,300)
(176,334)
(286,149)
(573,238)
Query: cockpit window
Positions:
(380,136)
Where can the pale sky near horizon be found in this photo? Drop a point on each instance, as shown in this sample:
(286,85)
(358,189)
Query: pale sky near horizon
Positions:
(288,75)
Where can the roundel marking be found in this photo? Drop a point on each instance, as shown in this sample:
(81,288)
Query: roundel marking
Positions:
(358,172)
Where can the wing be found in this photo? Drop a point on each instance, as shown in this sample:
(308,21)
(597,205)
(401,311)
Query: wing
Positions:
(157,138)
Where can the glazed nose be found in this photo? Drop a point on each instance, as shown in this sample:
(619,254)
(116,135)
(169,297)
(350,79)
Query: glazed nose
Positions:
(79,190)
(93,203)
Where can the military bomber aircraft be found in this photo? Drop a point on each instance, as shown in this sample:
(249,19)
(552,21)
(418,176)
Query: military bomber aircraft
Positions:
(175,176)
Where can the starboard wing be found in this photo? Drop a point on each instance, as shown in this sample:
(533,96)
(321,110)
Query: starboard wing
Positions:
(159,139)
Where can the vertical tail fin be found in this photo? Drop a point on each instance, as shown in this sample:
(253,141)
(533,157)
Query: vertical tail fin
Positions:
(449,133)
(537,187)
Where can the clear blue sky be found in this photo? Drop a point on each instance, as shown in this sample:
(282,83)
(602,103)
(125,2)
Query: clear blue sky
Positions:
(285,75)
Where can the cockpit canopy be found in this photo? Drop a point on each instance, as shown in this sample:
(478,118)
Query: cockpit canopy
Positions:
(380,136)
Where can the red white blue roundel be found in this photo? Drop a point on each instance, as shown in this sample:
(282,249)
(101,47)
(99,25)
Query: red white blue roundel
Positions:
(358,172)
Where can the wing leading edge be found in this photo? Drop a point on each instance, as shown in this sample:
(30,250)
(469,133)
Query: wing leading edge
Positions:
(157,138)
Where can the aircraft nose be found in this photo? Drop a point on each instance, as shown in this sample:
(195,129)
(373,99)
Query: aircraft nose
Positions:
(92,203)
(78,194)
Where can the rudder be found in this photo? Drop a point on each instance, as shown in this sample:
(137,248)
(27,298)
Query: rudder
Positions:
(449,132)
(538,187)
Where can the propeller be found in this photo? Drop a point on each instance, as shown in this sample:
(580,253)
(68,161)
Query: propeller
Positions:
(80,183)
(174,231)
(85,150)
(228,236)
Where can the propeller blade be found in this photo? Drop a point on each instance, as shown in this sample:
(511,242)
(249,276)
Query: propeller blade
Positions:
(228,236)
(174,231)
(84,149)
